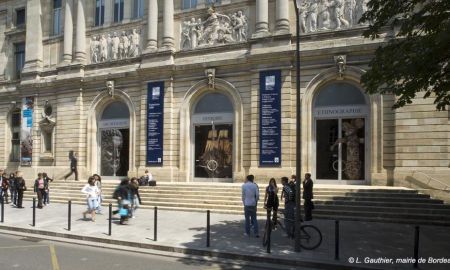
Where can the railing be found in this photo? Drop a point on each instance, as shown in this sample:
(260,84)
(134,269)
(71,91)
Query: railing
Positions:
(429,178)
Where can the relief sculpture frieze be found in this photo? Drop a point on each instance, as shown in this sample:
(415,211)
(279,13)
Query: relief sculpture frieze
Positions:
(115,46)
(323,15)
(216,29)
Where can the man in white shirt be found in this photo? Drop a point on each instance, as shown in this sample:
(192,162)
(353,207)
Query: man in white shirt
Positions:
(250,197)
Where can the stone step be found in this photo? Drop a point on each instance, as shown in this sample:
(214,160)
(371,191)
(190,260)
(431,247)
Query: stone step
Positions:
(425,204)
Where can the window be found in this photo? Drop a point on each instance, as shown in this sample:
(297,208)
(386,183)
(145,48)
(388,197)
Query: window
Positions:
(339,94)
(15,138)
(99,12)
(187,4)
(20,17)
(57,17)
(118,10)
(213,2)
(19,53)
(138,8)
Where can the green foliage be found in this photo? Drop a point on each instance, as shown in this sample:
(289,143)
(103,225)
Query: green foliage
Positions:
(417,59)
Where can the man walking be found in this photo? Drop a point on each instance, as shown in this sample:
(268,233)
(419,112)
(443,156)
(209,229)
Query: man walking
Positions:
(250,197)
(289,206)
(1,184)
(73,165)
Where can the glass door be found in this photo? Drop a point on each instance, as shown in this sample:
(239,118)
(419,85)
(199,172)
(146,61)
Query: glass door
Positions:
(340,149)
(213,151)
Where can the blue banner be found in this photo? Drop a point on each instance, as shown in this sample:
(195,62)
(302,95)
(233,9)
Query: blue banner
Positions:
(155,123)
(270,118)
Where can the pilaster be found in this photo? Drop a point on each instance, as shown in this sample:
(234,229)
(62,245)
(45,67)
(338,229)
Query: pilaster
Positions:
(152,25)
(33,46)
(80,44)
(282,17)
(68,31)
(168,39)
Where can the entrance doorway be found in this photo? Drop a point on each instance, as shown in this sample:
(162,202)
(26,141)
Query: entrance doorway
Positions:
(340,114)
(114,140)
(212,137)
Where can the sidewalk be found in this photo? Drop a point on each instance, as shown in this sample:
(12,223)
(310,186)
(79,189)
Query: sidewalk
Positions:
(185,232)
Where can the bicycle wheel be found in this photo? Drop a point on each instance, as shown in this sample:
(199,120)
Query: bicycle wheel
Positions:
(311,237)
(265,238)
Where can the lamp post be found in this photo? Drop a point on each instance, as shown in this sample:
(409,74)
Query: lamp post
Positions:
(298,129)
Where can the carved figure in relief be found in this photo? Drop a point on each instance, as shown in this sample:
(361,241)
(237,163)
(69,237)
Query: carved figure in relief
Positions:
(311,19)
(303,10)
(216,29)
(124,46)
(109,42)
(360,9)
(134,44)
(338,11)
(115,46)
(103,49)
(94,50)
(349,6)
(323,18)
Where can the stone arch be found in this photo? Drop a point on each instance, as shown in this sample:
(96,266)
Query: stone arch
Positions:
(192,96)
(100,102)
(351,75)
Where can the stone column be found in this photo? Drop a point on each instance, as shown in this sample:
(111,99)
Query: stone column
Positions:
(127,10)
(152,25)
(262,17)
(80,44)
(109,12)
(282,19)
(33,45)
(68,31)
(168,40)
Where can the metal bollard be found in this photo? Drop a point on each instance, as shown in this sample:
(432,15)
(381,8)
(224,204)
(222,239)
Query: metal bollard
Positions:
(69,216)
(110,219)
(34,211)
(155,224)
(269,232)
(416,246)
(3,211)
(208,228)
(336,239)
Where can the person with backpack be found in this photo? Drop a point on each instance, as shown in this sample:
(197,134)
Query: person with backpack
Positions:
(289,206)
(308,196)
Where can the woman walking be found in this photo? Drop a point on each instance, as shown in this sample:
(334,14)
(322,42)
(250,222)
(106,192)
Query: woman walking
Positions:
(20,187)
(271,200)
(92,192)
(98,183)
(39,188)
(135,197)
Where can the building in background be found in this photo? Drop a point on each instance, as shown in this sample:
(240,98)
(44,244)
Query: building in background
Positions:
(202,92)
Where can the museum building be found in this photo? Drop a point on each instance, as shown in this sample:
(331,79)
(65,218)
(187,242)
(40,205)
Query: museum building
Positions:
(202,90)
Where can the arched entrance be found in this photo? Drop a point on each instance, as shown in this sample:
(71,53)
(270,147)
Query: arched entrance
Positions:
(340,124)
(113,136)
(212,121)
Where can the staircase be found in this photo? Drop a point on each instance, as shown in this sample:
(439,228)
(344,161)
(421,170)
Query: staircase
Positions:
(363,203)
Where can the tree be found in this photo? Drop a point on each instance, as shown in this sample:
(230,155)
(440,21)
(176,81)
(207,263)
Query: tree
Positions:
(417,58)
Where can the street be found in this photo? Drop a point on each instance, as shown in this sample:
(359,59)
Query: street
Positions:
(23,253)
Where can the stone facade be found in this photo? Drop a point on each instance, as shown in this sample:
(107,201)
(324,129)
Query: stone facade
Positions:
(236,40)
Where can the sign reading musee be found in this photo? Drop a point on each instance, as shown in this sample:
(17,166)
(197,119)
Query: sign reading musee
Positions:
(155,123)
(270,118)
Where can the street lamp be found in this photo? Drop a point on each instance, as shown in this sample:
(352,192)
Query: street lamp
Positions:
(298,129)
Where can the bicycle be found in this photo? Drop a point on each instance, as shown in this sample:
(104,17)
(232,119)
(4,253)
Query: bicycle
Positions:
(310,236)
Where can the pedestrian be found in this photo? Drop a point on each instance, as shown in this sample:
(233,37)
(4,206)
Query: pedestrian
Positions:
(135,197)
(308,196)
(250,197)
(73,165)
(271,202)
(1,184)
(39,188)
(12,188)
(146,178)
(122,195)
(20,187)
(4,186)
(92,192)
(47,189)
(98,183)
(289,206)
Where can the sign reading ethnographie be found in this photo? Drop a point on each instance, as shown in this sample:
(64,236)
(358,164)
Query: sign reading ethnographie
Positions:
(26,136)
(270,118)
(155,123)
